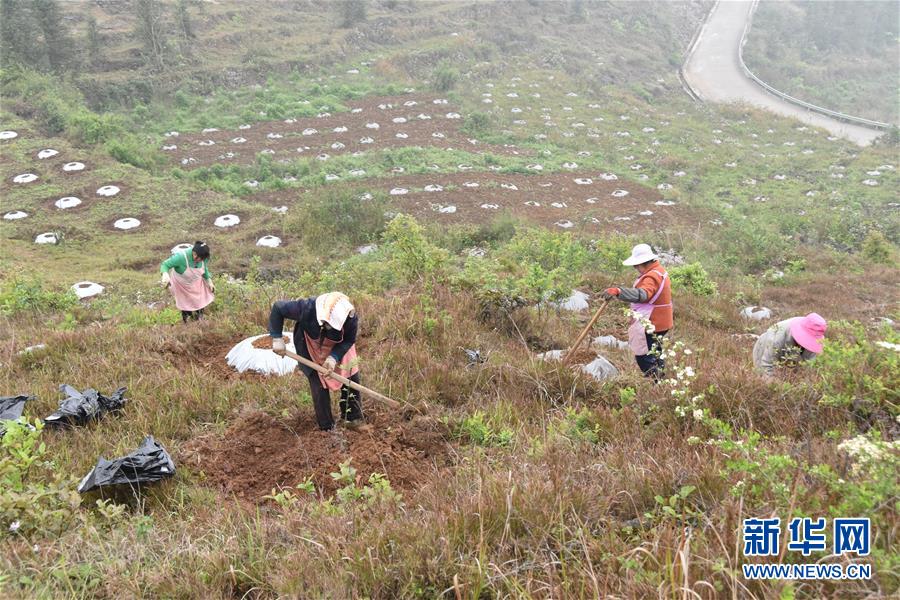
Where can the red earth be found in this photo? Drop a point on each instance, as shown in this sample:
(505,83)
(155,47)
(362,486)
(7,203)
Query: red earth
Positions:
(312,136)
(259,453)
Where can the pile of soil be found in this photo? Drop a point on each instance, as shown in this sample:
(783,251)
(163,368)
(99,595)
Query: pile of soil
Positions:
(259,452)
(265,343)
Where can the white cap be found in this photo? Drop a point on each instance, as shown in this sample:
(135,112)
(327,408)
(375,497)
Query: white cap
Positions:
(333,308)
(639,255)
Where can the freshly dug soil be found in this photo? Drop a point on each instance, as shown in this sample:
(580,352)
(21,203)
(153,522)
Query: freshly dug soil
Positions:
(265,343)
(259,452)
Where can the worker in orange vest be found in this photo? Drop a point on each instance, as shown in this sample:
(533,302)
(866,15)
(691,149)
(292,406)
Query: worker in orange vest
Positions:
(651,305)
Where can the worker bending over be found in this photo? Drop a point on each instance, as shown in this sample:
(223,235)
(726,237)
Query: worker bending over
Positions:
(186,274)
(651,305)
(324,332)
(788,342)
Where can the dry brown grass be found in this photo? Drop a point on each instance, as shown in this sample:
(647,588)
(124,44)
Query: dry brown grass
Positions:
(550,515)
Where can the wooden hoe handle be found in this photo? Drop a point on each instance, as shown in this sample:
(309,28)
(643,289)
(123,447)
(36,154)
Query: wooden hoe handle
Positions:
(352,384)
(584,333)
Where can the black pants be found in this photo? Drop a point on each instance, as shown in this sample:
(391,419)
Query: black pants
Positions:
(652,363)
(351,408)
(192,314)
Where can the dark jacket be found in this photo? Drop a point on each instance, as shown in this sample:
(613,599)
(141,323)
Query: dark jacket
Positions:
(303,313)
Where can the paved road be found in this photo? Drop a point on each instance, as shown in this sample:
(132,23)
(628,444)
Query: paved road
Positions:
(714,73)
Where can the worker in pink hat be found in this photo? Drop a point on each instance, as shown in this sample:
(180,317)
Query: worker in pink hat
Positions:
(789,342)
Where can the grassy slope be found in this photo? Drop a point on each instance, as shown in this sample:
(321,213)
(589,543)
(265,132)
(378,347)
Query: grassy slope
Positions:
(854,74)
(548,514)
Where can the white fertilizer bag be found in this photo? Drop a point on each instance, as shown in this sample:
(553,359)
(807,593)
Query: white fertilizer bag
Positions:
(244,357)
(600,369)
(756,313)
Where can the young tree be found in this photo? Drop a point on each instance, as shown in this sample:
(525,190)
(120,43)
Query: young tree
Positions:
(19,34)
(60,48)
(150,32)
(352,12)
(92,40)
(184,20)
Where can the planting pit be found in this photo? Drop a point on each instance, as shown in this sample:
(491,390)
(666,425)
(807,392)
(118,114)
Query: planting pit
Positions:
(259,452)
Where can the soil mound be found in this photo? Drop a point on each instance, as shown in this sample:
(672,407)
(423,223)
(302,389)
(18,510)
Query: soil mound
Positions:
(259,452)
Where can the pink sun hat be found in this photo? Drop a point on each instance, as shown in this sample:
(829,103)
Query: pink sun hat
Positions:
(809,331)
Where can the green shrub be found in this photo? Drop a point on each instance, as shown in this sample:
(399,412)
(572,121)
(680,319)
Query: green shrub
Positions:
(20,295)
(409,247)
(445,78)
(693,277)
(476,123)
(877,248)
(90,128)
(337,219)
(857,372)
(35,497)
(477,430)
(130,150)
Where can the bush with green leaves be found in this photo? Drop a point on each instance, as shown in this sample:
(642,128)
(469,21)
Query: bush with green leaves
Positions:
(877,248)
(860,370)
(534,267)
(35,497)
(445,78)
(337,219)
(377,490)
(478,430)
(29,295)
(694,278)
(406,243)
(130,150)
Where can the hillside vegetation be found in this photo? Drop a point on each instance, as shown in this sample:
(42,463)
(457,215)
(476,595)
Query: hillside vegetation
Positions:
(839,55)
(521,149)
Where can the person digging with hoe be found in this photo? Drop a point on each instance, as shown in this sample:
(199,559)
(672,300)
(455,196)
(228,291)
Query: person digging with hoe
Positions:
(788,342)
(186,274)
(651,305)
(325,330)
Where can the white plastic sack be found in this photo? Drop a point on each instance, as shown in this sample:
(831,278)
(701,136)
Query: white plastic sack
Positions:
(244,357)
(600,369)
(577,301)
(756,313)
(610,341)
(552,355)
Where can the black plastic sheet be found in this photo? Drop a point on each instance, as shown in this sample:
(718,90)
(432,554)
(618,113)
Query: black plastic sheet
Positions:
(79,408)
(11,408)
(148,464)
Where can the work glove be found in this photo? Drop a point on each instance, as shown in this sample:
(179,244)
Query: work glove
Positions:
(610,293)
(330,364)
(278,346)
(164,280)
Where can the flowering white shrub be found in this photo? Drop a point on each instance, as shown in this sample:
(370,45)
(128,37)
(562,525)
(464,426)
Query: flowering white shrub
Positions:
(868,452)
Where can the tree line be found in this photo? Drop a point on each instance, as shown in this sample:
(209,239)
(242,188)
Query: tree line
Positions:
(36,33)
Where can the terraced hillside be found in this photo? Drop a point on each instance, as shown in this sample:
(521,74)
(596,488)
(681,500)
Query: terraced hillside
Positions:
(461,170)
